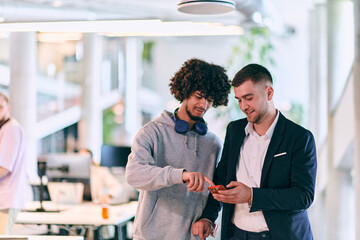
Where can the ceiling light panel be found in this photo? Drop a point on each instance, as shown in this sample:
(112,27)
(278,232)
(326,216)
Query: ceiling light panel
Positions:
(128,28)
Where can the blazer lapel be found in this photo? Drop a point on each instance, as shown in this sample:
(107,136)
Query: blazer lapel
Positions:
(238,139)
(273,146)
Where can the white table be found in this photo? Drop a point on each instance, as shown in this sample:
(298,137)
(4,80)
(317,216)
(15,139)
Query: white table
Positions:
(84,214)
(42,237)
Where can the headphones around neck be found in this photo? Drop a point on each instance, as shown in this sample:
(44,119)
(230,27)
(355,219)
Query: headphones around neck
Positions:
(182,126)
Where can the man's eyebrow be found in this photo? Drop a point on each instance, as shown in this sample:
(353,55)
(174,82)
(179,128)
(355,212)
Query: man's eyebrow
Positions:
(244,96)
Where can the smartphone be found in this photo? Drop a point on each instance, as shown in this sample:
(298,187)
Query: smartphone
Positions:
(216,188)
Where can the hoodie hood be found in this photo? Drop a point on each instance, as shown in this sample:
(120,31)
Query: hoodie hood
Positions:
(190,137)
(165,118)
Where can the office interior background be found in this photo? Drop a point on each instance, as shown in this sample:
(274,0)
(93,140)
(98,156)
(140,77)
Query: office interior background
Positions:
(81,74)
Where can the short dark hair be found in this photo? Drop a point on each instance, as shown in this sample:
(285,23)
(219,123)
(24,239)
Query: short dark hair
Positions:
(197,75)
(254,72)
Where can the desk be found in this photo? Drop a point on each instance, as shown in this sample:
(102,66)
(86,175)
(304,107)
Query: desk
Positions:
(85,214)
(35,237)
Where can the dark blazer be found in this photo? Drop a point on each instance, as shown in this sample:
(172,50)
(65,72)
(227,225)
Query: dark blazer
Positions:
(287,180)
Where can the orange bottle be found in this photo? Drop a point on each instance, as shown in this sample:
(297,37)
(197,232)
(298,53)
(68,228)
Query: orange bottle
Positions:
(105,211)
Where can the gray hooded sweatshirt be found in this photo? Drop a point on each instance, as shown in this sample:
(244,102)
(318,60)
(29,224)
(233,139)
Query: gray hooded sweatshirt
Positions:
(166,210)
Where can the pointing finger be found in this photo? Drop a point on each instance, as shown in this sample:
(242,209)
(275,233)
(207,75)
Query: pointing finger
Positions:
(209,181)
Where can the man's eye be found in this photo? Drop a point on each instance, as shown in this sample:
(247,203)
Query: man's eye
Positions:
(248,99)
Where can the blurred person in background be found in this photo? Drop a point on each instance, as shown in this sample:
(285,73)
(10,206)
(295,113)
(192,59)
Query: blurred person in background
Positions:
(104,186)
(106,189)
(13,181)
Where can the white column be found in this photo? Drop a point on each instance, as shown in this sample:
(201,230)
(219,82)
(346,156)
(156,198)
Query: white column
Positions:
(356,68)
(90,126)
(314,71)
(23,70)
(132,84)
(338,190)
(318,113)
(318,74)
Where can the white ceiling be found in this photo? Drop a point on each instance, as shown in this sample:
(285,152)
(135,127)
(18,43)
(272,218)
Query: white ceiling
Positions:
(60,10)
(66,10)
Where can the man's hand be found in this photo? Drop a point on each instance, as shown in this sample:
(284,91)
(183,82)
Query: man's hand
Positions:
(202,228)
(195,181)
(238,193)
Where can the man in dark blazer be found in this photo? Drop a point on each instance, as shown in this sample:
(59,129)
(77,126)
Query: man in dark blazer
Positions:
(268,167)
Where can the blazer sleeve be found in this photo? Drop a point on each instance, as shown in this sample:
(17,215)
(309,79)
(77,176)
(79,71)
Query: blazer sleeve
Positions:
(299,194)
(213,207)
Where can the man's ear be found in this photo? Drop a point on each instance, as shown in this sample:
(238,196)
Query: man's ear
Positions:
(269,92)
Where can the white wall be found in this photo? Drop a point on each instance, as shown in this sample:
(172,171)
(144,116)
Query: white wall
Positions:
(171,53)
(291,73)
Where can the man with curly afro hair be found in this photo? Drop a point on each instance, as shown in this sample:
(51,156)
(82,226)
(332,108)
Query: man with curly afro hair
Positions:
(174,156)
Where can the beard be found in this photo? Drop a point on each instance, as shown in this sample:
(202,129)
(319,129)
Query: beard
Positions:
(259,116)
(4,119)
(256,120)
(194,118)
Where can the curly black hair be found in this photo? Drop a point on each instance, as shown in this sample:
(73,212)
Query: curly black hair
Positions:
(197,75)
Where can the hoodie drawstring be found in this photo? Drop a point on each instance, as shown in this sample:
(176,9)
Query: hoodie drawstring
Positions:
(195,143)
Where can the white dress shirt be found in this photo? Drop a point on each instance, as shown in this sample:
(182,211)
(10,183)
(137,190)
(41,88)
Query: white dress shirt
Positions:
(248,172)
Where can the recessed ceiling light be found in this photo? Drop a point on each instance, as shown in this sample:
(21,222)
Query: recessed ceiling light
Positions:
(203,7)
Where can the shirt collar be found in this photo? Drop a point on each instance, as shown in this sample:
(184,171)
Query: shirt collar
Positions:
(249,129)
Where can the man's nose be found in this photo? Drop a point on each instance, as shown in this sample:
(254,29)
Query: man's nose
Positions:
(243,106)
(208,103)
(205,103)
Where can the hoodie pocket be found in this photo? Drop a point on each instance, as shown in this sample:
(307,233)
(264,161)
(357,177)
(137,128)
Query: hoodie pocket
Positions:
(149,213)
